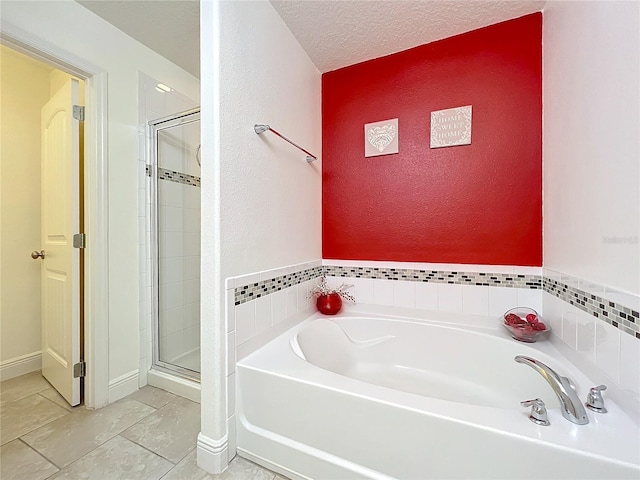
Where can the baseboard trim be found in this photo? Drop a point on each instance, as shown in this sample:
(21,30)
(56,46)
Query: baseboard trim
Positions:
(123,385)
(14,367)
(174,384)
(213,455)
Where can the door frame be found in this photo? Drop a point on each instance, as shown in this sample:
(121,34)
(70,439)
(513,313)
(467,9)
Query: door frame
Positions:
(96,274)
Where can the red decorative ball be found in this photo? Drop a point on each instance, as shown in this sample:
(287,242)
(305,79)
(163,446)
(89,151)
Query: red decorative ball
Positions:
(329,304)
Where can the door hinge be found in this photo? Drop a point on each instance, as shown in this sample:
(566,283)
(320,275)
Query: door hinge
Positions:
(80,240)
(79,370)
(78,112)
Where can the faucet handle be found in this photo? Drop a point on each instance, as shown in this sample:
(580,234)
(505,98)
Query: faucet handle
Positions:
(595,401)
(538,411)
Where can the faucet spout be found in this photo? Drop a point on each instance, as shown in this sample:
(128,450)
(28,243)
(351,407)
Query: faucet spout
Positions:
(571,406)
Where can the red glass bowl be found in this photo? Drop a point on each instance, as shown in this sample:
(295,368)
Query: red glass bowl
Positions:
(524,330)
(329,304)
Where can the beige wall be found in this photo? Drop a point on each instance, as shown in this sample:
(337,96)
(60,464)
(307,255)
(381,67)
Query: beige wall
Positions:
(67,26)
(26,86)
(24,90)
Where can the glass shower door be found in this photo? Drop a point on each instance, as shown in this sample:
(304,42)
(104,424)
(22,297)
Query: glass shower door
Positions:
(176,177)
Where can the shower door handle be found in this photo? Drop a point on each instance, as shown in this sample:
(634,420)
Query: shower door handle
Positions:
(37,254)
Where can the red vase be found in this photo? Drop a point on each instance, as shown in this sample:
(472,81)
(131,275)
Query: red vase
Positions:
(329,304)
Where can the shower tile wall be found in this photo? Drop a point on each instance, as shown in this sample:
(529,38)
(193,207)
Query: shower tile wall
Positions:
(153,104)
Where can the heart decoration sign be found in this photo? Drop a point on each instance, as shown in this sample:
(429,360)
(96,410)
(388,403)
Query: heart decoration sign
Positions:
(381,138)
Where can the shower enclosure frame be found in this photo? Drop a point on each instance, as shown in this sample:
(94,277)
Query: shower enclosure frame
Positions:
(154,127)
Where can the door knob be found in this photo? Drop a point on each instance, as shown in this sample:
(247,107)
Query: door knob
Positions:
(37,254)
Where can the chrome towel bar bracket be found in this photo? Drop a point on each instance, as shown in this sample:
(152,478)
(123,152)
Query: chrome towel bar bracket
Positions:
(266,128)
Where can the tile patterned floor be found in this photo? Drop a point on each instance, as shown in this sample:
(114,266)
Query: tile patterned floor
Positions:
(149,435)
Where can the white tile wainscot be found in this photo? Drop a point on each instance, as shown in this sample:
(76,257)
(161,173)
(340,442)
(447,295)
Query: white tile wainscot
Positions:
(261,316)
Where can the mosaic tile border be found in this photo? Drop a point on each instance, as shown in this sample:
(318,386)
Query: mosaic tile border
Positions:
(509,280)
(252,291)
(246,293)
(615,314)
(173,176)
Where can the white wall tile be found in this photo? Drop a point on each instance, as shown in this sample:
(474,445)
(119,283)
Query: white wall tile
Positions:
(502,299)
(170,193)
(191,265)
(552,274)
(231,352)
(142,194)
(290,301)
(231,392)
(475,299)
(233,434)
(171,295)
(191,244)
(142,259)
(591,287)
(570,280)
(608,350)
(362,289)
(142,343)
(569,325)
(141,232)
(169,156)
(191,197)
(191,220)
(247,279)
(518,270)
(263,313)
(531,298)
(171,269)
(630,362)
(302,290)
(142,375)
(383,292)
(627,299)
(245,322)
(146,294)
(143,281)
(191,338)
(171,346)
(586,335)
(171,219)
(192,291)
(552,313)
(404,294)
(426,296)
(231,310)
(278,313)
(449,297)
(149,354)
(192,314)
(171,320)
(171,244)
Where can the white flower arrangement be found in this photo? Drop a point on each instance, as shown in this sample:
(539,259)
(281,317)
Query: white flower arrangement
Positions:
(323,289)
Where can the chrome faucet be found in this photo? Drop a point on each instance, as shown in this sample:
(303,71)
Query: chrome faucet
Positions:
(571,406)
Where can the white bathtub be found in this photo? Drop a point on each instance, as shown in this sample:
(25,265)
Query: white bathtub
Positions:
(374,396)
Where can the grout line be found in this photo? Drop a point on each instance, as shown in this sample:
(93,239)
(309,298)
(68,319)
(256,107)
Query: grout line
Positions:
(151,451)
(41,455)
(67,412)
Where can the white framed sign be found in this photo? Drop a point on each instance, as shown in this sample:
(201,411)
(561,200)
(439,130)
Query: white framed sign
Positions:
(451,127)
(381,138)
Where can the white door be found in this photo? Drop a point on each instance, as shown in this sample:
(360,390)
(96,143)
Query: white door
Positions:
(61,262)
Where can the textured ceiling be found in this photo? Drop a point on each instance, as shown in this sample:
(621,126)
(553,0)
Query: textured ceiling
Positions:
(169,27)
(339,33)
(334,33)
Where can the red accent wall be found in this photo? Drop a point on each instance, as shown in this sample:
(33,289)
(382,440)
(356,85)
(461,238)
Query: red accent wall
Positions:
(478,203)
